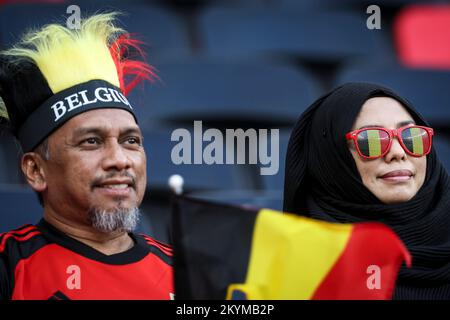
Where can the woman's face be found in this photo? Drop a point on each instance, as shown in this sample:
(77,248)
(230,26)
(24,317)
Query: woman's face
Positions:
(397,176)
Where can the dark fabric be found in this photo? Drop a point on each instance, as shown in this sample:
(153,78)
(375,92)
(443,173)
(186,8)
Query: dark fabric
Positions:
(205,263)
(23,89)
(322,182)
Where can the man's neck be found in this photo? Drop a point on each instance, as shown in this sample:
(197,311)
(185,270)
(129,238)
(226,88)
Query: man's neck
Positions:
(106,243)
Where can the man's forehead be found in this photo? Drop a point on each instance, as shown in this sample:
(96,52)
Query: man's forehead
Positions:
(105,130)
(102,119)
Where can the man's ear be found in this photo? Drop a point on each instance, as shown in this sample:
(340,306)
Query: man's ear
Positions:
(33,168)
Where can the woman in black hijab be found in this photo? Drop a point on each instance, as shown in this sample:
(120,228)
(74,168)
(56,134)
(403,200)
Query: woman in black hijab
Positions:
(332,175)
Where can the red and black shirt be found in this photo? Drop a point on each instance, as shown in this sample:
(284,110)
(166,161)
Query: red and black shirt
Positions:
(40,262)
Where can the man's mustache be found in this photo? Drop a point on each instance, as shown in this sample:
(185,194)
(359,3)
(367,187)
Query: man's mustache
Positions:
(115,176)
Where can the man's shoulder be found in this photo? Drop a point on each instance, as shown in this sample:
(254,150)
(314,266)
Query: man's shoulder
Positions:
(163,250)
(21,242)
(16,245)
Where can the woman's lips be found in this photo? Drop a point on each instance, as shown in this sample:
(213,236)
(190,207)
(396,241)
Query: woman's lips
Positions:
(397,176)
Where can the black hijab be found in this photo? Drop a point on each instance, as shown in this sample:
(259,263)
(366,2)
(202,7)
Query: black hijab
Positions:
(322,182)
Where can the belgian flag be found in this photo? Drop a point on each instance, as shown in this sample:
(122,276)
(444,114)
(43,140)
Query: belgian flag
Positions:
(223,251)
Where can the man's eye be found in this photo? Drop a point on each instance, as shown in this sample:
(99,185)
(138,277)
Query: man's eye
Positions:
(90,141)
(134,140)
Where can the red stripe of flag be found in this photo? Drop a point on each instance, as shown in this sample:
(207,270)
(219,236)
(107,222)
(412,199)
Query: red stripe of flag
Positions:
(367,255)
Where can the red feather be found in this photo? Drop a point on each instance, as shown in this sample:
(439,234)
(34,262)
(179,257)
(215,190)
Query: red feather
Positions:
(130,71)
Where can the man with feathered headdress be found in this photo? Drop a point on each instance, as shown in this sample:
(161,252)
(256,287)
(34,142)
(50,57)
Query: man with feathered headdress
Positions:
(64,98)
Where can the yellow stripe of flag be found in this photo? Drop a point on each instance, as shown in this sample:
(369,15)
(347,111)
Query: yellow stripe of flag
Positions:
(417,140)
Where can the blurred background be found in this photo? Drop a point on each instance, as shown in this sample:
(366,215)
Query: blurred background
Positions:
(246,64)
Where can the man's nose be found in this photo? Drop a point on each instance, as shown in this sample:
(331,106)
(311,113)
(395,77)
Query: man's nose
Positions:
(116,157)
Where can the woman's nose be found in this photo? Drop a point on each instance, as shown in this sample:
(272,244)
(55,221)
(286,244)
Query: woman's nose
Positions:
(396,152)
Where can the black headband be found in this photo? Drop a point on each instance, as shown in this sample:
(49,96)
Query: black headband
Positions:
(64,105)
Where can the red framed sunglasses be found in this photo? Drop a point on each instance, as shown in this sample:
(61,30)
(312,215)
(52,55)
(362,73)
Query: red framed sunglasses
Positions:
(375,142)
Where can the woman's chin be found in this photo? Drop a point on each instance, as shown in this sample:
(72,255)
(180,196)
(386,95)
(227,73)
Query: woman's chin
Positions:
(393,198)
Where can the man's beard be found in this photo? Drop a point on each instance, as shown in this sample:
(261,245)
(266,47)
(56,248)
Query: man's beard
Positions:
(117,219)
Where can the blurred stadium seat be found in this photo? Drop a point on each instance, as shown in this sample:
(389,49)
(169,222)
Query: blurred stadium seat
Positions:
(160,167)
(428,90)
(161,30)
(422,36)
(229,93)
(348,4)
(10,154)
(272,199)
(19,206)
(3,173)
(270,194)
(276,182)
(443,150)
(308,5)
(326,36)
